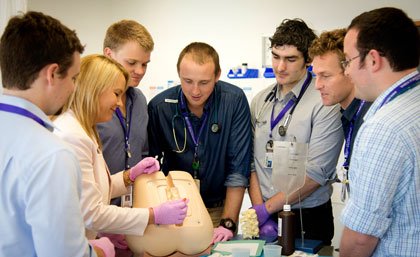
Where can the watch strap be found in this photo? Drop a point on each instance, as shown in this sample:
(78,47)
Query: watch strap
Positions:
(228,223)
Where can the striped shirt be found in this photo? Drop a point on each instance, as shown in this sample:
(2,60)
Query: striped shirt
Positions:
(385,175)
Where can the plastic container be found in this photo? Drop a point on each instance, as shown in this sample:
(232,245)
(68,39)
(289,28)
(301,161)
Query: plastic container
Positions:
(272,250)
(244,68)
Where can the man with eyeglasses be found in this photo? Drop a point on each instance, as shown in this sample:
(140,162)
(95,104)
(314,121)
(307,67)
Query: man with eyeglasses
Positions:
(382,216)
(336,88)
(312,124)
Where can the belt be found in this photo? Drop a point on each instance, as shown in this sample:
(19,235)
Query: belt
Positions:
(215,204)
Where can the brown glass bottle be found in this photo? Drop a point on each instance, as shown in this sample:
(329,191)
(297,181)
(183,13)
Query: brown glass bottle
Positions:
(286,230)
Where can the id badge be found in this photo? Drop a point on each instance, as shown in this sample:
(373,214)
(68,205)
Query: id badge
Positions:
(127,199)
(268,160)
(345,187)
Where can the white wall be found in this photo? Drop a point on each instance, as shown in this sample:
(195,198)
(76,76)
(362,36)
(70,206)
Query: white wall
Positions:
(234,28)
(9,8)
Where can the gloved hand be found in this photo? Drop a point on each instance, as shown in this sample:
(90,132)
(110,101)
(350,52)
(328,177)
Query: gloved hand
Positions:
(268,231)
(105,245)
(262,213)
(221,234)
(117,239)
(146,166)
(173,212)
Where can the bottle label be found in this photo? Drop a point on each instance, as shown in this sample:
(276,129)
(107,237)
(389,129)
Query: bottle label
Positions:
(279,228)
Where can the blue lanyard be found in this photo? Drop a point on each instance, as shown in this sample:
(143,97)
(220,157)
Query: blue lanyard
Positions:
(126,128)
(349,136)
(22,112)
(291,103)
(402,88)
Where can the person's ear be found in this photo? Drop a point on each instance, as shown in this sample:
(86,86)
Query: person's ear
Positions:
(375,59)
(52,73)
(108,52)
(218,76)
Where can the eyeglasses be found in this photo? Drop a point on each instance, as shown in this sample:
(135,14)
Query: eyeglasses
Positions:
(346,63)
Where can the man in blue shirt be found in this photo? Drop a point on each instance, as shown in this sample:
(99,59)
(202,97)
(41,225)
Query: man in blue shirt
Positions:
(382,216)
(124,138)
(203,127)
(336,88)
(40,177)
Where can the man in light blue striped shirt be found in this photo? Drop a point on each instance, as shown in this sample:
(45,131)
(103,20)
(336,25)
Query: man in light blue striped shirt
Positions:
(382,216)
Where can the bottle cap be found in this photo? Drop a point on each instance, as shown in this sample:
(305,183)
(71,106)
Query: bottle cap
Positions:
(286,207)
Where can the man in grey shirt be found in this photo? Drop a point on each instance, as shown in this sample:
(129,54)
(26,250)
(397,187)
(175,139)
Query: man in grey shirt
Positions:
(312,123)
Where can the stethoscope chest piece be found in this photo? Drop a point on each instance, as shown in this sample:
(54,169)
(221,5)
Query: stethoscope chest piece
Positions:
(215,128)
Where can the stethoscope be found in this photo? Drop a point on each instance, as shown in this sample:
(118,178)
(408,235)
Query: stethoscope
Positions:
(182,113)
(290,105)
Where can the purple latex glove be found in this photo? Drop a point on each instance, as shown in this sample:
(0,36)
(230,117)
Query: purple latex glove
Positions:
(117,239)
(105,244)
(221,234)
(146,166)
(173,212)
(262,213)
(268,231)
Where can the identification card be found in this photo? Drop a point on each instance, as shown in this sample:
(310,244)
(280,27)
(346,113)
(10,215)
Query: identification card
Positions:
(127,199)
(345,187)
(268,160)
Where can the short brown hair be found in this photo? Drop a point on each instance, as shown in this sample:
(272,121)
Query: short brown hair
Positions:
(329,41)
(392,33)
(125,31)
(201,53)
(29,43)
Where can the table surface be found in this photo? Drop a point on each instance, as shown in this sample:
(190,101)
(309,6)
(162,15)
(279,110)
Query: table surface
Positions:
(326,251)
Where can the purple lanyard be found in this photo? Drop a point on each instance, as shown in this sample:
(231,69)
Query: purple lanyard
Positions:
(126,128)
(349,136)
(189,125)
(291,103)
(274,122)
(402,88)
(22,112)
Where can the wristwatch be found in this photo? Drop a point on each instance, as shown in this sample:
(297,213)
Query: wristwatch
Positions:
(229,224)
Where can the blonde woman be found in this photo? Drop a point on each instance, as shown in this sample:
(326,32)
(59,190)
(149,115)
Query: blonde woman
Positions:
(99,87)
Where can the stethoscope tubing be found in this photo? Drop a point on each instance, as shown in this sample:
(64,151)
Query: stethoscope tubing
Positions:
(271,95)
(182,114)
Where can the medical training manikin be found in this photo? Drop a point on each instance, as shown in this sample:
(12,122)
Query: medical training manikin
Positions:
(193,236)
